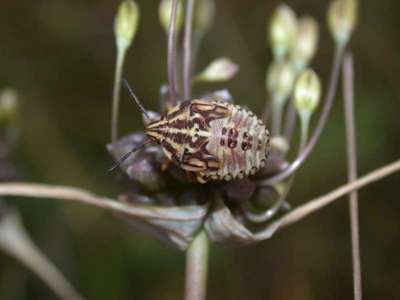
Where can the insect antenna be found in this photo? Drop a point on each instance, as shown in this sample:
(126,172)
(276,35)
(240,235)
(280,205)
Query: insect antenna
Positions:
(132,94)
(126,155)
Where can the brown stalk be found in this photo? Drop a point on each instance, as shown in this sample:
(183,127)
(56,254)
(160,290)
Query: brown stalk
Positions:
(187,49)
(348,96)
(171,55)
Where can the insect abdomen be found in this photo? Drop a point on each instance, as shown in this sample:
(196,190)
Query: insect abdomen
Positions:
(240,142)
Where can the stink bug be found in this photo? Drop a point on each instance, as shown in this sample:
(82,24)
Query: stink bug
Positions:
(213,140)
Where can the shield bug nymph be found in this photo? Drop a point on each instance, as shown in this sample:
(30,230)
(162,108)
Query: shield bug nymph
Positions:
(213,140)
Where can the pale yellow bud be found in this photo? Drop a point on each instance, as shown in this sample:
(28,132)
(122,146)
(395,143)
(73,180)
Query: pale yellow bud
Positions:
(306,42)
(279,81)
(8,106)
(203,16)
(282,31)
(164,13)
(342,18)
(221,69)
(307,92)
(126,23)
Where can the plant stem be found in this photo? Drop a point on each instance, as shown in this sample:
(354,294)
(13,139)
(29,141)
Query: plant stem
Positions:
(277,108)
(187,49)
(79,195)
(330,96)
(171,55)
(196,268)
(316,204)
(348,89)
(15,241)
(116,96)
(290,121)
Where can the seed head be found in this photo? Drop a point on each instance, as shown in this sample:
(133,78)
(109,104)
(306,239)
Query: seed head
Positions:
(342,18)
(282,31)
(307,92)
(306,42)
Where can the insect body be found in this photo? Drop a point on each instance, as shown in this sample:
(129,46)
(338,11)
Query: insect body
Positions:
(214,140)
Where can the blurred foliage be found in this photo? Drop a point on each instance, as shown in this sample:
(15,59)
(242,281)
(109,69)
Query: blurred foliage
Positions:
(59,56)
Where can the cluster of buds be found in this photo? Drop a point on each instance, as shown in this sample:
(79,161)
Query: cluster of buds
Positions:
(227,210)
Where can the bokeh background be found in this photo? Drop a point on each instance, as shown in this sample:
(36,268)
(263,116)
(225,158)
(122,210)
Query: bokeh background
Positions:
(59,55)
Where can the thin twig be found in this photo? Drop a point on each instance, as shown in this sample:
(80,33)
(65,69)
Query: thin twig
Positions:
(348,96)
(197,268)
(80,195)
(171,55)
(187,49)
(316,204)
(330,96)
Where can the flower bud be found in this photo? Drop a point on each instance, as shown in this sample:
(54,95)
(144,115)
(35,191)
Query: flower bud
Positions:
(8,106)
(164,13)
(221,69)
(282,31)
(203,16)
(342,17)
(306,42)
(307,92)
(265,197)
(126,23)
(279,81)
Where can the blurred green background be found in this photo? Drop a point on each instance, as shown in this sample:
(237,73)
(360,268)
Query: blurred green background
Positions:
(59,55)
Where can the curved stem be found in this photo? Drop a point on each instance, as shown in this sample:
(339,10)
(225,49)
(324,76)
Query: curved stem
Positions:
(196,268)
(187,49)
(330,96)
(116,96)
(171,55)
(348,85)
(15,241)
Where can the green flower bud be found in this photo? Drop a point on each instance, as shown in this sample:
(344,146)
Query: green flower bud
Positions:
(126,23)
(342,18)
(279,81)
(282,31)
(307,92)
(8,106)
(204,13)
(306,42)
(221,69)
(164,13)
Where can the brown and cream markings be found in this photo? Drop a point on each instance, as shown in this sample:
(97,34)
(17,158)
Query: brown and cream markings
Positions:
(213,140)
